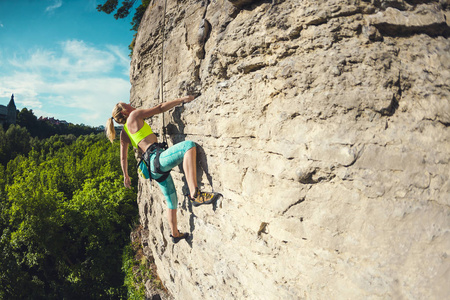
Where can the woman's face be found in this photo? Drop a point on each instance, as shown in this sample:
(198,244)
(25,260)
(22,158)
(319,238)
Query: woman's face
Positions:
(126,108)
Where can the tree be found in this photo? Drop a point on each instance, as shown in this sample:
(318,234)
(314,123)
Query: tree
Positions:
(65,218)
(3,203)
(14,142)
(111,5)
(140,10)
(122,12)
(27,119)
(43,128)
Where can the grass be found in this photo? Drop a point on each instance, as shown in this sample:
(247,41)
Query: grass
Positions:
(138,268)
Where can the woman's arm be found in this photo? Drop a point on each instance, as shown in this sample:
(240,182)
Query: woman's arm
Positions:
(171,104)
(160,108)
(124,143)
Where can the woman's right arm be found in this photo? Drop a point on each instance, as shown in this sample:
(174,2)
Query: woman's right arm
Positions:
(124,143)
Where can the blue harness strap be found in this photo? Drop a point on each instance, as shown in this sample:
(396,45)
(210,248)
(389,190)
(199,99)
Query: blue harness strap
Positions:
(157,164)
(157,148)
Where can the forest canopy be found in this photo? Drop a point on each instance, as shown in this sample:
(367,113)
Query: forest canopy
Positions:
(42,128)
(65,216)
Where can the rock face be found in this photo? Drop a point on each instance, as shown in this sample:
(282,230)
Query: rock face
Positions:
(325,125)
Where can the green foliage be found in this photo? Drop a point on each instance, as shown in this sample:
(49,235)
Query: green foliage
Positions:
(65,218)
(15,141)
(2,184)
(111,5)
(108,7)
(140,10)
(44,129)
(124,11)
(134,284)
(138,269)
(27,119)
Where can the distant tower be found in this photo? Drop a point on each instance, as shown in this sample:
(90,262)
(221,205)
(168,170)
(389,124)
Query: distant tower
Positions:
(11,119)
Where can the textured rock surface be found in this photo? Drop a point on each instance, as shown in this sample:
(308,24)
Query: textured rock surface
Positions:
(325,125)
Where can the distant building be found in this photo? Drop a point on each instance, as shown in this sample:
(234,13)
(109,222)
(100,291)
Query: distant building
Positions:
(8,113)
(53,121)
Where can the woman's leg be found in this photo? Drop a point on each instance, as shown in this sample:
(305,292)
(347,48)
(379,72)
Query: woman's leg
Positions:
(182,152)
(168,189)
(190,169)
(172,216)
(186,152)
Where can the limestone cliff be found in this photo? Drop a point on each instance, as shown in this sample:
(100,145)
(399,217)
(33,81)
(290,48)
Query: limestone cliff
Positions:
(325,125)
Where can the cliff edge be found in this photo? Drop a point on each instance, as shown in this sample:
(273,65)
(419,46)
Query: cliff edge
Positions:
(324,124)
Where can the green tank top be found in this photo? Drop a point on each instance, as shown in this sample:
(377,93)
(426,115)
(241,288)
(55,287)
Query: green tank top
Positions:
(138,136)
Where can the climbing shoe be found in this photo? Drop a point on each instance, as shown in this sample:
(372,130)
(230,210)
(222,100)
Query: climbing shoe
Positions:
(179,238)
(202,197)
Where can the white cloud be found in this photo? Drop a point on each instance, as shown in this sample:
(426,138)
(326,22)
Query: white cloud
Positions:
(1,24)
(56,4)
(77,82)
(76,59)
(88,59)
(124,59)
(25,84)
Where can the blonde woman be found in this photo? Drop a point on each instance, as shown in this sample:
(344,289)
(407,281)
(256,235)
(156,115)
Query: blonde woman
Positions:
(139,134)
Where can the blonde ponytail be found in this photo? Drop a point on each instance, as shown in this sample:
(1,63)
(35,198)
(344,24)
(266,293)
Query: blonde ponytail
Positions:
(110,131)
(118,117)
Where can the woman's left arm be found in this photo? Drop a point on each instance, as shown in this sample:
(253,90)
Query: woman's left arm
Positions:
(160,108)
(171,104)
(124,143)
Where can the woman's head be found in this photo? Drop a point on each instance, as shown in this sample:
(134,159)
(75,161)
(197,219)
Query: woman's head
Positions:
(119,114)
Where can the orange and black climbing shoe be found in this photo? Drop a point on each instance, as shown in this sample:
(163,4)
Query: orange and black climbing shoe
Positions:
(179,237)
(202,197)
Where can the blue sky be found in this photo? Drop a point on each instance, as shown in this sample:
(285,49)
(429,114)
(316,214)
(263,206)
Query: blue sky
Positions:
(64,59)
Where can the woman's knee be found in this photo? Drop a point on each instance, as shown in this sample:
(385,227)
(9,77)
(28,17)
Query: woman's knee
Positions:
(168,189)
(189,145)
(172,201)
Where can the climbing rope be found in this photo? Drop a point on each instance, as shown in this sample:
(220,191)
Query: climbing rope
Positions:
(161,82)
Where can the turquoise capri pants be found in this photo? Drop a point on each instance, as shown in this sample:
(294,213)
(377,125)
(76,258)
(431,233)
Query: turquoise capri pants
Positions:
(169,159)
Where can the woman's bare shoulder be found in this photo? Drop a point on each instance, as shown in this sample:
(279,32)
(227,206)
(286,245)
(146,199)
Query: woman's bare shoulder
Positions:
(124,138)
(144,113)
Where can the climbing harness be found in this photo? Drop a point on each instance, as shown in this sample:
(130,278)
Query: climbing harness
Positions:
(144,168)
(157,165)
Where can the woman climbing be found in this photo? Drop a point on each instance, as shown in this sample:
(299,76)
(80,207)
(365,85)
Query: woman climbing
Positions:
(139,134)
